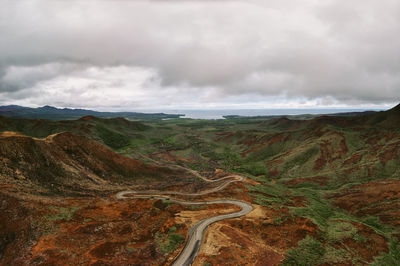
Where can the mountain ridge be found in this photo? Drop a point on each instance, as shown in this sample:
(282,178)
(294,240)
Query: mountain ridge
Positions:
(54,113)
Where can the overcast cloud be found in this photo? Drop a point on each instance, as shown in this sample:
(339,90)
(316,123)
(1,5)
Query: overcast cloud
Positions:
(196,54)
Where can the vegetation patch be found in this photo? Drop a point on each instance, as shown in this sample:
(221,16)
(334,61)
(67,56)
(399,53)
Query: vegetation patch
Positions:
(318,209)
(338,231)
(390,259)
(64,213)
(113,139)
(269,193)
(309,252)
(254,168)
(169,242)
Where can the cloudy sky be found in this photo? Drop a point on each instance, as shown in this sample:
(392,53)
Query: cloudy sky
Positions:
(164,54)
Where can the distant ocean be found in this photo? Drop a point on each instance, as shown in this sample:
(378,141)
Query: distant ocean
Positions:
(218,114)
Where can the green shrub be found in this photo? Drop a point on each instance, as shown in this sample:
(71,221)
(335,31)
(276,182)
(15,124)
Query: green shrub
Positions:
(169,242)
(266,152)
(300,159)
(335,256)
(338,231)
(172,243)
(113,139)
(274,193)
(318,209)
(63,214)
(231,159)
(309,252)
(255,168)
(374,222)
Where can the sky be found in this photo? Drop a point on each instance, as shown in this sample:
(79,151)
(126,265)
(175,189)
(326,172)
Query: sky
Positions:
(192,54)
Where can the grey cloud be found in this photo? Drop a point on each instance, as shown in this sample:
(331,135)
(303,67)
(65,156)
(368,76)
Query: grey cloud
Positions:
(20,77)
(299,49)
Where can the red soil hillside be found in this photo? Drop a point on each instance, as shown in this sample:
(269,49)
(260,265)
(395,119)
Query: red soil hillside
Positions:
(375,198)
(65,162)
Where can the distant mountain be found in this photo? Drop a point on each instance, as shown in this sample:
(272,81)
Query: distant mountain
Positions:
(389,119)
(53,113)
(302,116)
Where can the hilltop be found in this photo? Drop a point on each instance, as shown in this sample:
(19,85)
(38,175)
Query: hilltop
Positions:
(387,119)
(114,132)
(66,163)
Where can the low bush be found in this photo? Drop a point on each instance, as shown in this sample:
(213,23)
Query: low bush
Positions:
(309,252)
(113,139)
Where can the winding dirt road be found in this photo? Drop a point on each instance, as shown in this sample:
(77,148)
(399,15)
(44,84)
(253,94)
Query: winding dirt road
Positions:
(196,233)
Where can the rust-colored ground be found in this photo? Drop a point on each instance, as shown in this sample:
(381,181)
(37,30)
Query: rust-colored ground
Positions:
(93,231)
(256,239)
(375,198)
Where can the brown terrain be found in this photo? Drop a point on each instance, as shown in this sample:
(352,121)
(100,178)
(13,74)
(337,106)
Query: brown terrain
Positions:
(377,198)
(66,163)
(43,222)
(58,205)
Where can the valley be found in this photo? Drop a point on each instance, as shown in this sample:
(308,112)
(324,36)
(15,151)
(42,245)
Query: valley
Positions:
(112,191)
